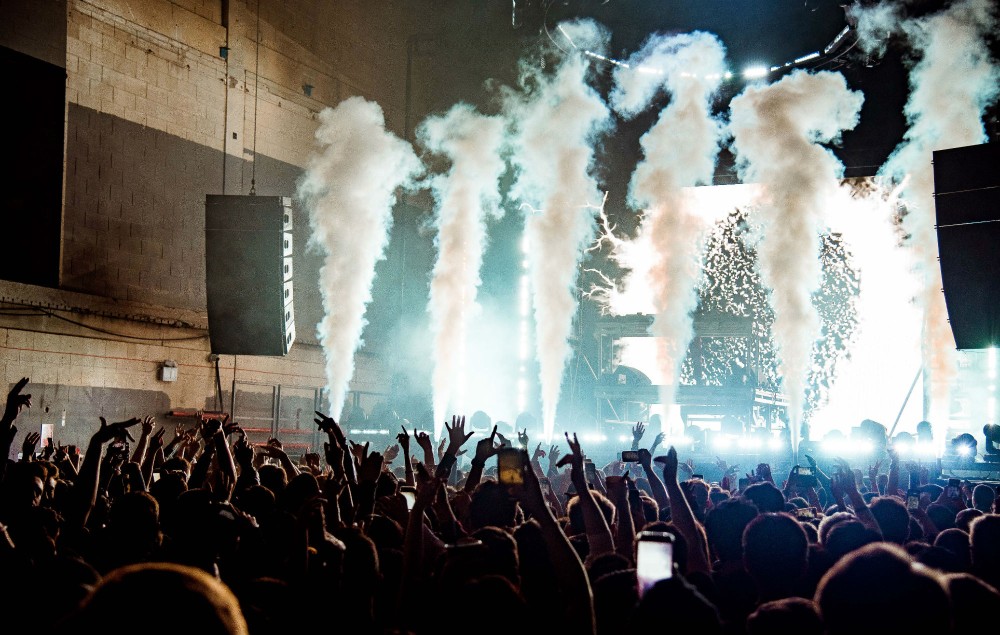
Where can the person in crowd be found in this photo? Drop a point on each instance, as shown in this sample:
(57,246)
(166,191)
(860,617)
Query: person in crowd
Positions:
(204,532)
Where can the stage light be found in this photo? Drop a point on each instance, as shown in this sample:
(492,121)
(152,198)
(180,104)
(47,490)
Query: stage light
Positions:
(623,438)
(992,449)
(774,443)
(721,442)
(964,445)
(755,72)
(903,438)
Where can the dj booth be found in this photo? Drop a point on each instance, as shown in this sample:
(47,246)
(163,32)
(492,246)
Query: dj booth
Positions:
(741,403)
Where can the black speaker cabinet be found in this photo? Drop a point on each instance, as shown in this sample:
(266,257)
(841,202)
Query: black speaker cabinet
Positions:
(248,270)
(967,202)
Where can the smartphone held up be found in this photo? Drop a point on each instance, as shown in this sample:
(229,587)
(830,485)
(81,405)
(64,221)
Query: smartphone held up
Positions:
(410,494)
(511,463)
(654,558)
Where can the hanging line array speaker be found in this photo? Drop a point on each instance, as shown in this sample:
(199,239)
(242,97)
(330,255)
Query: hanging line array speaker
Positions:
(248,271)
(967,202)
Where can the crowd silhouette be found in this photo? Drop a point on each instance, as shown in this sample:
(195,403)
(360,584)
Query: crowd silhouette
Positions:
(200,531)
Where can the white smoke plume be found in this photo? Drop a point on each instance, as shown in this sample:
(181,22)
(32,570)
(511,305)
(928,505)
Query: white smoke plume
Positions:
(679,151)
(875,24)
(467,196)
(951,83)
(557,120)
(350,188)
(776,131)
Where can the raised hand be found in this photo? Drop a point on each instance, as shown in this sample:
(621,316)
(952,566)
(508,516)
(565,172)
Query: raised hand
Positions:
(873,473)
(359,451)
(538,454)
(670,466)
(425,443)
(687,468)
(657,440)
(48,449)
(504,441)
(243,452)
(485,447)
(440,453)
(107,432)
(457,436)
(391,453)
(722,465)
(645,458)
(229,427)
(16,401)
(522,439)
(575,457)
(846,480)
(334,455)
(147,425)
(811,461)
(208,428)
(156,441)
(327,424)
(28,447)
(403,438)
(554,455)
(370,468)
(637,432)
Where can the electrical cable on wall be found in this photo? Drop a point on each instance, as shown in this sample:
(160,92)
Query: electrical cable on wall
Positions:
(42,312)
(256,99)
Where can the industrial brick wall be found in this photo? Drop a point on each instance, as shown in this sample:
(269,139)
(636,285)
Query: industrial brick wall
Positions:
(169,100)
(35,28)
(157,118)
(78,376)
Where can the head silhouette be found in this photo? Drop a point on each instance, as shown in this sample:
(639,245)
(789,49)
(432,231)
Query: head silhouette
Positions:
(775,554)
(876,589)
(766,497)
(724,527)
(198,602)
